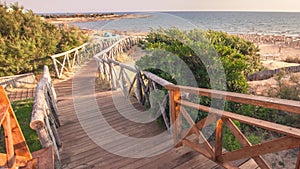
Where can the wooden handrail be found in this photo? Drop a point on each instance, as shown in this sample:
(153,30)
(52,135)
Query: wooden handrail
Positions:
(290,131)
(44,115)
(157,79)
(146,82)
(267,102)
(68,52)
(290,140)
(17,151)
(66,61)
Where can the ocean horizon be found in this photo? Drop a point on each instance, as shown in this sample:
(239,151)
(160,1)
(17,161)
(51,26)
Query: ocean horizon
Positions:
(233,22)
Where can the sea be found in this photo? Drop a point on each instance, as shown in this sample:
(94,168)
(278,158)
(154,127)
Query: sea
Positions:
(266,23)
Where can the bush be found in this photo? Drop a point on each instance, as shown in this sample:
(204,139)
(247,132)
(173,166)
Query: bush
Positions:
(237,56)
(27,41)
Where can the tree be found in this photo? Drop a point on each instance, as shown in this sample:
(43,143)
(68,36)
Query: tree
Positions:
(27,41)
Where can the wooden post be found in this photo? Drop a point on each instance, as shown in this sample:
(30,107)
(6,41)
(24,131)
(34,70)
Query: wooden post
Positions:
(113,83)
(218,143)
(9,142)
(123,81)
(139,93)
(298,161)
(174,95)
(55,67)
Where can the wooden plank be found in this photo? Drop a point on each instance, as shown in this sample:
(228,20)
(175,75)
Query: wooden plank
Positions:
(193,163)
(272,146)
(174,109)
(20,161)
(268,102)
(162,159)
(290,131)
(178,161)
(244,142)
(9,142)
(218,142)
(250,164)
(207,164)
(197,147)
(157,79)
(45,158)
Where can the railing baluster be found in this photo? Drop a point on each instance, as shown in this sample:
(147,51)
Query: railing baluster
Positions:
(62,67)
(244,142)
(55,67)
(139,92)
(132,84)
(113,83)
(218,143)
(68,62)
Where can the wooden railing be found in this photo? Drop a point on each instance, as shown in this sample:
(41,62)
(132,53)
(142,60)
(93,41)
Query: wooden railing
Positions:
(67,60)
(44,117)
(17,80)
(17,151)
(131,79)
(215,153)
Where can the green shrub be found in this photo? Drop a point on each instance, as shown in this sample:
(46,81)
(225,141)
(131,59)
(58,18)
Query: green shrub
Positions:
(237,56)
(27,41)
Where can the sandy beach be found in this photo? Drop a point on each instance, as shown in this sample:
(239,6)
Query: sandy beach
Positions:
(64,20)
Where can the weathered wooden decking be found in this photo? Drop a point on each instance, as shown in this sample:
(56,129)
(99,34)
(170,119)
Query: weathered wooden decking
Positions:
(79,150)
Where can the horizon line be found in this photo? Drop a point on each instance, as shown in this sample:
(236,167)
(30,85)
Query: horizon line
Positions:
(162,11)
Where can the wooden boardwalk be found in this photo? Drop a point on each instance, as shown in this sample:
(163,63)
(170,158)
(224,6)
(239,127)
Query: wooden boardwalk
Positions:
(80,151)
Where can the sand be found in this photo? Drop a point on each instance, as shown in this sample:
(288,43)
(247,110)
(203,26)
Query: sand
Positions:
(89,19)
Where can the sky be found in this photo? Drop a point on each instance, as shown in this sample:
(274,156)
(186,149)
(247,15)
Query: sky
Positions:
(53,6)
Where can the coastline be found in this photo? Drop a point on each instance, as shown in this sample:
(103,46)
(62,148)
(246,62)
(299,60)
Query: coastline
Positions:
(91,18)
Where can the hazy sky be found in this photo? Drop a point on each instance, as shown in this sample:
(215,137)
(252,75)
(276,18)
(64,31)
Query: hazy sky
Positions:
(39,6)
